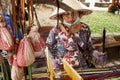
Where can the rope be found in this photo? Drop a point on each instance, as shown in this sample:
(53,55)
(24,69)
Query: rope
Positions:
(38,23)
(58,6)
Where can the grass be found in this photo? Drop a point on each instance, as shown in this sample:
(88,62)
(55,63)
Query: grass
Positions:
(100,19)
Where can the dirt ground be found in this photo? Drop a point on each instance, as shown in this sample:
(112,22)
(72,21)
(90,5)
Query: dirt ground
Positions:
(43,12)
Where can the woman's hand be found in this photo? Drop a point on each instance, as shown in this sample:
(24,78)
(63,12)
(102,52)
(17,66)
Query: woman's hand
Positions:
(100,55)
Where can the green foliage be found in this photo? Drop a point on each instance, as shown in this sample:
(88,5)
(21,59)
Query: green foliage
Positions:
(100,19)
(115,8)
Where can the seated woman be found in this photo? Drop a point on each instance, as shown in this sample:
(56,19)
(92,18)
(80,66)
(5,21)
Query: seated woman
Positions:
(71,39)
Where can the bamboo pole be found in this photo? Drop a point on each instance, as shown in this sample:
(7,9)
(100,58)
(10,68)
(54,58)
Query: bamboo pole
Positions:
(70,71)
(30,72)
(23,15)
(14,17)
(31,2)
(29,20)
(28,7)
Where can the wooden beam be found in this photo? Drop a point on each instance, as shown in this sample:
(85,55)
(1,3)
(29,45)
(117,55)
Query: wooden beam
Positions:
(109,44)
(53,2)
(113,2)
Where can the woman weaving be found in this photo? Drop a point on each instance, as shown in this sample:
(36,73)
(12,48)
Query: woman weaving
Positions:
(71,39)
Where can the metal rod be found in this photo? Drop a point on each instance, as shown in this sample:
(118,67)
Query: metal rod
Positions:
(104,36)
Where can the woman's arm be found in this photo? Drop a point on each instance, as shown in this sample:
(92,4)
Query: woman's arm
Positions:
(51,40)
(86,35)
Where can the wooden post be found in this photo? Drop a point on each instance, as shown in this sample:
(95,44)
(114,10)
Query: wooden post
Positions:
(113,2)
(14,17)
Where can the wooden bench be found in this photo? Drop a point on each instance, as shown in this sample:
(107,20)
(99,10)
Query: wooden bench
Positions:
(102,4)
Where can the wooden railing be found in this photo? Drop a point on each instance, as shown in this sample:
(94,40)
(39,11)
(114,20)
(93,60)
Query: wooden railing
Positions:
(109,44)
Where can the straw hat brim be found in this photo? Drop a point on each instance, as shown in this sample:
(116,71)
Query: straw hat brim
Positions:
(75,5)
(82,12)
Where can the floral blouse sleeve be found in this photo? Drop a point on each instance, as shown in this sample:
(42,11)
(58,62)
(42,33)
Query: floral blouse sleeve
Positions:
(51,40)
(51,37)
(85,36)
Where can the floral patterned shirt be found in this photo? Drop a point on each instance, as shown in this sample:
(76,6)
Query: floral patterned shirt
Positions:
(72,49)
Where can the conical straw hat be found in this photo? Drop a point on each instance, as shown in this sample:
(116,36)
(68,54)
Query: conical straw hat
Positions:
(75,5)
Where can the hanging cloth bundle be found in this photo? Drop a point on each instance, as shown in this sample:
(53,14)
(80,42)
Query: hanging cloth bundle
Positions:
(36,38)
(6,39)
(17,72)
(37,41)
(25,55)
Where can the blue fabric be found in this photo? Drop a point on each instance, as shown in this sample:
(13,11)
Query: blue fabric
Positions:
(7,20)
(18,33)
